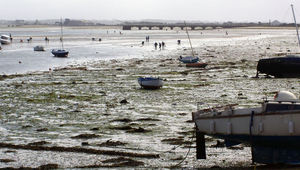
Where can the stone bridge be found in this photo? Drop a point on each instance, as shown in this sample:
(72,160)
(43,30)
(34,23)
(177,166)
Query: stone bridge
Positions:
(176,26)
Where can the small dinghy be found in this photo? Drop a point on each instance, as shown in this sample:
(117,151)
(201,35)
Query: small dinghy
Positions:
(38,48)
(60,53)
(150,82)
(188,59)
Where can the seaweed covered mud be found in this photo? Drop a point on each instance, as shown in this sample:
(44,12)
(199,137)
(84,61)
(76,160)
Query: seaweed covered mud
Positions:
(94,113)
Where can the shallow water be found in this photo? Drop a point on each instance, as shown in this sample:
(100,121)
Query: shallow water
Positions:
(85,97)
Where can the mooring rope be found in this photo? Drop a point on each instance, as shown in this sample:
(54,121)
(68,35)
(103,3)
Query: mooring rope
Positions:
(187,152)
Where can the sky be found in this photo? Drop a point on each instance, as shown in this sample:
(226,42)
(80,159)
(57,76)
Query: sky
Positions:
(198,10)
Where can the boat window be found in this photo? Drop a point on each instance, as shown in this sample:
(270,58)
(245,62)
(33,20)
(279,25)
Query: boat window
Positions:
(279,107)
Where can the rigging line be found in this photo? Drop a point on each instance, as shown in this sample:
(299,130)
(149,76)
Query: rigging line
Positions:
(189,38)
(188,150)
(287,17)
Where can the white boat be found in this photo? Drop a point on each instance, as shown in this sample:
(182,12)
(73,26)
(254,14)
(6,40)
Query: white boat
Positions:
(272,130)
(38,48)
(150,82)
(5,39)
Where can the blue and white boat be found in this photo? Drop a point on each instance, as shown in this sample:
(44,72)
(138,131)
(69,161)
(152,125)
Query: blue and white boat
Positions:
(272,130)
(150,82)
(188,59)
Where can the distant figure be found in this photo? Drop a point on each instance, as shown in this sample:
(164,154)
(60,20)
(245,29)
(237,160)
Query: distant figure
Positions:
(155,45)
(143,43)
(60,39)
(29,39)
(46,39)
(163,45)
(10,37)
(178,42)
(21,40)
(93,39)
(147,38)
(120,33)
(159,46)
(100,39)
(0,48)
(226,33)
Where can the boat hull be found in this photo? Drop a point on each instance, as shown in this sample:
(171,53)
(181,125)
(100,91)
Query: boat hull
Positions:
(280,67)
(273,135)
(189,59)
(197,65)
(5,39)
(39,48)
(60,53)
(150,83)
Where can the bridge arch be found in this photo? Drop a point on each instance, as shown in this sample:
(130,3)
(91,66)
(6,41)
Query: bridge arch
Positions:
(177,28)
(134,28)
(198,28)
(155,28)
(166,28)
(145,28)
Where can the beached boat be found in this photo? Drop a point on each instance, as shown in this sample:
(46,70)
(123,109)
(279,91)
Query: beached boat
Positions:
(38,48)
(288,66)
(272,130)
(188,59)
(150,82)
(4,39)
(60,52)
(197,65)
(281,67)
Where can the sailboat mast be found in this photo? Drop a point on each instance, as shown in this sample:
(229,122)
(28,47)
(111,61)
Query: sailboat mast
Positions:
(295,24)
(61,32)
(189,39)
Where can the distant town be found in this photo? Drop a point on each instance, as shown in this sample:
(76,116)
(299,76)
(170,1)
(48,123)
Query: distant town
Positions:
(75,22)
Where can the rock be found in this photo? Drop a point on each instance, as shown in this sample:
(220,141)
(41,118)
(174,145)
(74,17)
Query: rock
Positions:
(124,101)
(85,136)
(42,130)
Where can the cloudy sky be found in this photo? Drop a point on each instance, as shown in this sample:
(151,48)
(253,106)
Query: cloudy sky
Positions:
(202,10)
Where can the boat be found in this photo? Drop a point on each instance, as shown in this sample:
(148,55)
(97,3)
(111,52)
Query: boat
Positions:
(272,129)
(150,83)
(5,39)
(60,52)
(197,65)
(188,59)
(38,48)
(281,67)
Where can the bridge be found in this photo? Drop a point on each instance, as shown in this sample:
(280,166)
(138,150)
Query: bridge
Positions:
(178,26)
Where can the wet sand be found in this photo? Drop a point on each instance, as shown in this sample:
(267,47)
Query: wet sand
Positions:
(96,115)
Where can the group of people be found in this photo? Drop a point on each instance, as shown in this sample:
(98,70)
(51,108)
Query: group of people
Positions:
(161,45)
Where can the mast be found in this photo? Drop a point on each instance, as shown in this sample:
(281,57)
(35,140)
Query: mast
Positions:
(189,39)
(61,32)
(295,24)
